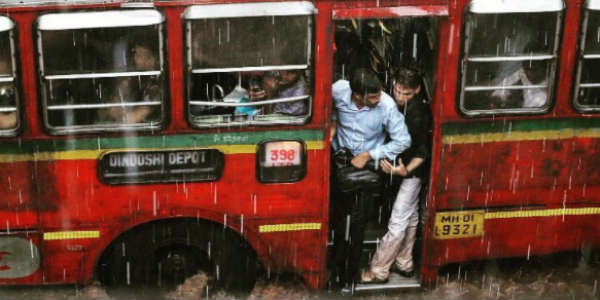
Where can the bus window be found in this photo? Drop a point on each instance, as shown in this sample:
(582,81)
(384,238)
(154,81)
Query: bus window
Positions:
(509,56)
(102,71)
(9,119)
(249,63)
(587,88)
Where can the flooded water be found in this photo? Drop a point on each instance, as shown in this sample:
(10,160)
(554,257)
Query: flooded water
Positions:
(558,276)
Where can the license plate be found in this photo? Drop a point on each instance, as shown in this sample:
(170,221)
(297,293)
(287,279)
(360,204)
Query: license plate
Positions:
(461,224)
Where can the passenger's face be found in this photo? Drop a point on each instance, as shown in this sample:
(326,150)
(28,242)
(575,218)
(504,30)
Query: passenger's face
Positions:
(289,77)
(370,99)
(143,58)
(270,85)
(5,67)
(404,94)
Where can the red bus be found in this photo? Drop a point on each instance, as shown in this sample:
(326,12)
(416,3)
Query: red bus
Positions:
(131,151)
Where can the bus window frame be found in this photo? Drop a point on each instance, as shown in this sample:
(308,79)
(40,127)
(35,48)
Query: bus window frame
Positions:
(247,10)
(10,27)
(589,7)
(515,7)
(44,79)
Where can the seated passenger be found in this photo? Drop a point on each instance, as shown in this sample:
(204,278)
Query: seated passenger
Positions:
(7,98)
(291,84)
(286,84)
(261,87)
(531,73)
(134,89)
(8,119)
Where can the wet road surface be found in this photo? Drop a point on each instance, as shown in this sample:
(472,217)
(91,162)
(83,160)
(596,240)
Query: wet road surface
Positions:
(558,276)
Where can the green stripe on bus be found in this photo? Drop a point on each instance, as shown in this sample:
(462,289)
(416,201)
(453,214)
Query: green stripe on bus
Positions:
(155,142)
(501,126)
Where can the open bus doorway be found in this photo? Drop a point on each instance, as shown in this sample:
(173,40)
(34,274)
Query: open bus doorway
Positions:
(386,46)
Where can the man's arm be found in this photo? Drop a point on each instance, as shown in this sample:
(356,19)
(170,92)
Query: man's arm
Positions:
(399,137)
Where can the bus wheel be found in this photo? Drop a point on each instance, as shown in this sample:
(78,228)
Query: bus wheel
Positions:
(165,253)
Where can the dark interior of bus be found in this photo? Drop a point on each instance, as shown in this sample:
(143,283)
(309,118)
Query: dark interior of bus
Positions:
(385,46)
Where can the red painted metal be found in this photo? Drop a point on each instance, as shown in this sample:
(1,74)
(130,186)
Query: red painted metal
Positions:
(45,196)
(391,12)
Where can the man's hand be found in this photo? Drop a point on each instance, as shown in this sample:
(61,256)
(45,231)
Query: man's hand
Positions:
(257,95)
(360,160)
(388,168)
(332,130)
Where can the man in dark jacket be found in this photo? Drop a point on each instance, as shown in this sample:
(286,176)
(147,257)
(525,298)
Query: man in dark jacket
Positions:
(397,244)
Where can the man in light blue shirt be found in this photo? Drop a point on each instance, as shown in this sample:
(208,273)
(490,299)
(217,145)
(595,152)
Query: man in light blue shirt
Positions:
(364,117)
(364,121)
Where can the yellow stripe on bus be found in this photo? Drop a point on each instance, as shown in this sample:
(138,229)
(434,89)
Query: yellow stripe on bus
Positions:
(94,154)
(289,227)
(71,235)
(514,136)
(543,213)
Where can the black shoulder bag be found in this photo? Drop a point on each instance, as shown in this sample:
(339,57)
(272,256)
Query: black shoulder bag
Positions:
(350,179)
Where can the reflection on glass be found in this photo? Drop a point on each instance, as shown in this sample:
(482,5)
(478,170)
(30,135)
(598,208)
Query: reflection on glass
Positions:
(509,61)
(103,76)
(588,89)
(592,38)
(97,50)
(512,34)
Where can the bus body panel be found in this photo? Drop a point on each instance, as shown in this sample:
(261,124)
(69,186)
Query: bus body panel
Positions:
(533,179)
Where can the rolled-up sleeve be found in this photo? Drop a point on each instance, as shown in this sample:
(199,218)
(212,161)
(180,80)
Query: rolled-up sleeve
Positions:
(399,137)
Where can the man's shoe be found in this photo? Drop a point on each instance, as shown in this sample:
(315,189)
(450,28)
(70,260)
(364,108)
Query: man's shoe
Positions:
(367,277)
(346,291)
(402,273)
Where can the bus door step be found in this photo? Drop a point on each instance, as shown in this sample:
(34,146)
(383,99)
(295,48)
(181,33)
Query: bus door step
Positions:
(395,281)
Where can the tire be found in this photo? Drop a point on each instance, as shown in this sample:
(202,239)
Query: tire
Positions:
(164,253)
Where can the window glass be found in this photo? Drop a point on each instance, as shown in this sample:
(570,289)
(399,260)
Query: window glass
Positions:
(509,62)
(587,90)
(106,78)
(249,70)
(9,116)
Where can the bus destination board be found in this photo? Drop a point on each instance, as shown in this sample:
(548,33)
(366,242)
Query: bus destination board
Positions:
(124,167)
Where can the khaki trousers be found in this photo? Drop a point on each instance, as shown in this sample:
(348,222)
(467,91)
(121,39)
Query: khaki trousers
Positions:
(397,244)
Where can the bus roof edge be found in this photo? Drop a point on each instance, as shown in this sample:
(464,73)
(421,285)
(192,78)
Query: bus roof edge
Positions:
(515,6)
(259,9)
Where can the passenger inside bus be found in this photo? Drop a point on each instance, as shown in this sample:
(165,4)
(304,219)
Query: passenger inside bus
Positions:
(507,68)
(531,73)
(259,59)
(8,119)
(282,84)
(261,86)
(134,89)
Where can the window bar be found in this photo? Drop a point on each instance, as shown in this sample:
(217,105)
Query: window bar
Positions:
(510,58)
(256,103)
(102,75)
(102,105)
(8,109)
(589,85)
(7,79)
(507,87)
(250,69)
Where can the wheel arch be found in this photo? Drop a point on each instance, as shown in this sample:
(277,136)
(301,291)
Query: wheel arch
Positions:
(91,262)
